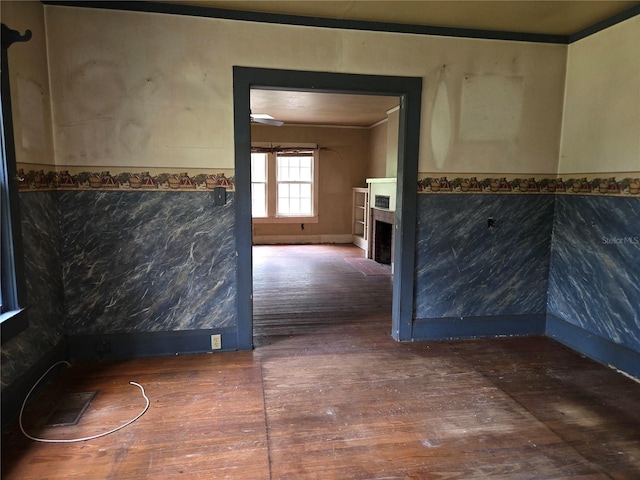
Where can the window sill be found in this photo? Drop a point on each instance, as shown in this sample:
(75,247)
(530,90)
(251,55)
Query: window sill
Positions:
(12,323)
(285,219)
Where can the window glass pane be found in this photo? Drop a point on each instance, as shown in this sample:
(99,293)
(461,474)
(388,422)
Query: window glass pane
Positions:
(259,199)
(295,169)
(259,184)
(306,169)
(283,199)
(258,167)
(283,169)
(305,173)
(295,199)
(294,206)
(283,190)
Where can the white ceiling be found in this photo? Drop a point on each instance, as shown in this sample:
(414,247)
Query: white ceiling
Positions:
(552,17)
(322,108)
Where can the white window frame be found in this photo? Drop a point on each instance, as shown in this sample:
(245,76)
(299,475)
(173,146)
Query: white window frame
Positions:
(255,182)
(272,185)
(291,183)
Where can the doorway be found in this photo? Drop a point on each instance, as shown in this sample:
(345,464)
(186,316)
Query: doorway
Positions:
(409,90)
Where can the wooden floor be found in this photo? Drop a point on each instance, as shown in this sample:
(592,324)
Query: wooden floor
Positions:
(327,394)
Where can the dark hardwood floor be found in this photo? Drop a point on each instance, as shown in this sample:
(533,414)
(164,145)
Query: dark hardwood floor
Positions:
(328,394)
(306,289)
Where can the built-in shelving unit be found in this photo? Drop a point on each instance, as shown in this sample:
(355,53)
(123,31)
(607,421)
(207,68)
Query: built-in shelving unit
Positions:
(360,218)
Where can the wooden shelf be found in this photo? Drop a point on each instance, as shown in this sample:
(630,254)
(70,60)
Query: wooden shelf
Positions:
(360,218)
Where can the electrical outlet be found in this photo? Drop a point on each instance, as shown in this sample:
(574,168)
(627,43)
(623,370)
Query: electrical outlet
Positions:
(216,342)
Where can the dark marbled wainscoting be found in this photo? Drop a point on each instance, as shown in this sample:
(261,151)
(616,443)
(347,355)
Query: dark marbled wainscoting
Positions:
(466,270)
(594,283)
(44,295)
(147,262)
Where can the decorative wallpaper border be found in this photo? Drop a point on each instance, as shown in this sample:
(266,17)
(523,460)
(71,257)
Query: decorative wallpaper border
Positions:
(39,179)
(576,184)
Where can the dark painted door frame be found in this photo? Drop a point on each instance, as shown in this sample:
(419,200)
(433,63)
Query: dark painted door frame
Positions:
(409,89)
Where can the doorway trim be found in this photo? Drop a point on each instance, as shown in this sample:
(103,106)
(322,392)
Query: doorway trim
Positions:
(409,89)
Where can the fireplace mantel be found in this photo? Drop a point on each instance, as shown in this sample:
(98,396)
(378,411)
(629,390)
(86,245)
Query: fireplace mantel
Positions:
(385,189)
(381,248)
(382,186)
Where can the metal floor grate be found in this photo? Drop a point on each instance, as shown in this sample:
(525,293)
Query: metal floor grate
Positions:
(70,409)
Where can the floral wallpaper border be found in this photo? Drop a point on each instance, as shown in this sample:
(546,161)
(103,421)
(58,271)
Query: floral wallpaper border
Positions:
(38,179)
(577,184)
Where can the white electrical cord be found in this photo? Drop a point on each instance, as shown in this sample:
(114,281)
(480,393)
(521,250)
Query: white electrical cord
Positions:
(72,440)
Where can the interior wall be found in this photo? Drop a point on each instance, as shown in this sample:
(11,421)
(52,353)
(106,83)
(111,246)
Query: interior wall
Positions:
(342,165)
(594,282)
(475,280)
(147,90)
(602,102)
(595,276)
(136,92)
(377,166)
(30,94)
(147,262)
(393,126)
(150,91)
(156,90)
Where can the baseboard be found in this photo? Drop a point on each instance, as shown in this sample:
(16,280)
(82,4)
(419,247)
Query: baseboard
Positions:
(453,328)
(149,344)
(13,395)
(593,346)
(301,239)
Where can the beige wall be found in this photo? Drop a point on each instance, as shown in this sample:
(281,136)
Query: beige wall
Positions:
(342,165)
(601,128)
(30,99)
(377,166)
(393,126)
(156,90)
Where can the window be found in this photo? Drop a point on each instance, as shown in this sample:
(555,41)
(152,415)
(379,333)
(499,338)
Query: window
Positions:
(259,185)
(283,185)
(8,293)
(12,316)
(295,186)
